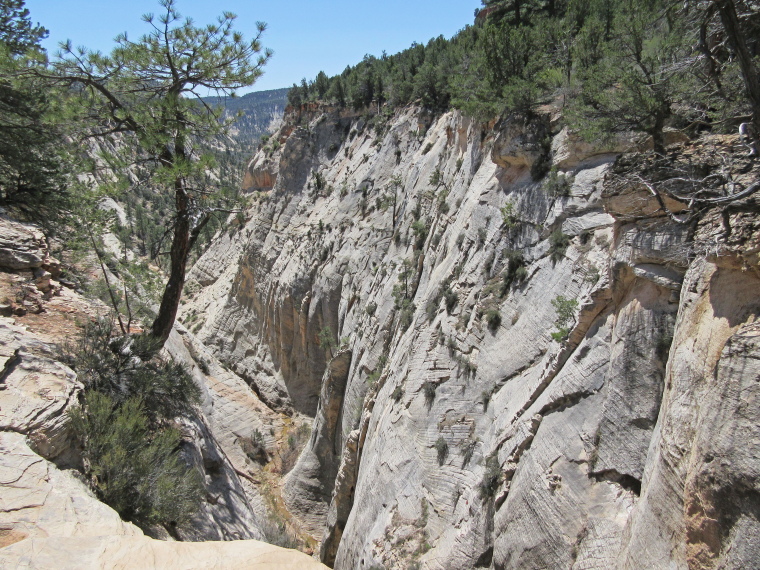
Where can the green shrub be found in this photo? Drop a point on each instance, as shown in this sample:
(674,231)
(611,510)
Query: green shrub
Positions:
(107,364)
(436,178)
(427,148)
(508,216)
(442,448)
(326,339)
(130,458)
(558,243)
(565,309)
(451,298)
(255,447)
(133,466)
(371,308)
(516,270)
(491,477)
(406,315)
(428,388)
(467,451)
(432,308)
(420,229)
(556,184)
(398,393)
(493,318)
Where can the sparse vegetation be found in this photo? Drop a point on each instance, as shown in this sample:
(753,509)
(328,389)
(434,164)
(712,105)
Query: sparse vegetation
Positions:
(255,447)
(557,184)
(491,477)
(428,389)
(493,318)
(508,216)
(558,243)
(485,398)
(515,271)
(130,456)
(468,450)
(565,309)
(326,339)
(442,448)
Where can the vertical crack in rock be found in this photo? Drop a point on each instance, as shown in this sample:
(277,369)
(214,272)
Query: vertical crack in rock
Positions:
(309,486)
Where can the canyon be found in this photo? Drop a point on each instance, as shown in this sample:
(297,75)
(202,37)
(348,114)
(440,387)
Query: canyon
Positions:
(459,344)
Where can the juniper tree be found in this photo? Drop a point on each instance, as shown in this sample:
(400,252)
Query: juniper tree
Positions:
(147,97)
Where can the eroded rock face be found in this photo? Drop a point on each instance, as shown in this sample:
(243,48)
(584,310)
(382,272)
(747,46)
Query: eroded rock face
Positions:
(22,246)
(308,488)
(44,501)
(454,431)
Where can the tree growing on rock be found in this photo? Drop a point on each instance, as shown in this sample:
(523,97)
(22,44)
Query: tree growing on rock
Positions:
(635,82)
(146,97)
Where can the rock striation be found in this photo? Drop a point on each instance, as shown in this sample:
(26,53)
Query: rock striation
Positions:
(455,424)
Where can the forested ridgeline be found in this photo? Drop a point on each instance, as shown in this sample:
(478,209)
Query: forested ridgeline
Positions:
(613,64)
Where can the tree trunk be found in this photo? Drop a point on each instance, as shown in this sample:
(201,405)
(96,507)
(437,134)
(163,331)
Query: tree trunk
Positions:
(731,24)
(658,135)
(181,244)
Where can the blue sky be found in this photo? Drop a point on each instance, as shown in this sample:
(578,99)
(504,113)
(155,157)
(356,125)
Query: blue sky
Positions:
(307,36)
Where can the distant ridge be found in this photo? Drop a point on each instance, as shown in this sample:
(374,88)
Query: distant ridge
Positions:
(261,112)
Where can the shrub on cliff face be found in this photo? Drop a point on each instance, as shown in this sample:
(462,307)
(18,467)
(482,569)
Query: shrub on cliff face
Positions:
(133,467)
(565,309)
(112,365)
(491,477)
(442,449)
(130,457)
(558,243)
(558,185)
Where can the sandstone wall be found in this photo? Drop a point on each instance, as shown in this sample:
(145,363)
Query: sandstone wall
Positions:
(627,445)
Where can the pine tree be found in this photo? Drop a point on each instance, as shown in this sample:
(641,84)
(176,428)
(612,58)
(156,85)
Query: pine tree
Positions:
(146,94)
(17,32)
(33,158)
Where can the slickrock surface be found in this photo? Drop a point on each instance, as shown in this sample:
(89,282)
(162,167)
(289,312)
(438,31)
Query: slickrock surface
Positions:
(133,553)
(631,444)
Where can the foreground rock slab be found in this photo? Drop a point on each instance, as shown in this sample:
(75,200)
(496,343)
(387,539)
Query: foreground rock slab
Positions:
(126,552)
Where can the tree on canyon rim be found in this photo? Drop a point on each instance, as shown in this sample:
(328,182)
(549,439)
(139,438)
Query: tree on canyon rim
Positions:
(146,96)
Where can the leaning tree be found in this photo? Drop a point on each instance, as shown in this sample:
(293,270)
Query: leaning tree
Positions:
(147,96)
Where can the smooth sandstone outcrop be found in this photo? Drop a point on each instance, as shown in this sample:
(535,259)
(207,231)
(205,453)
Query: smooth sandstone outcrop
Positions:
(134,553)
